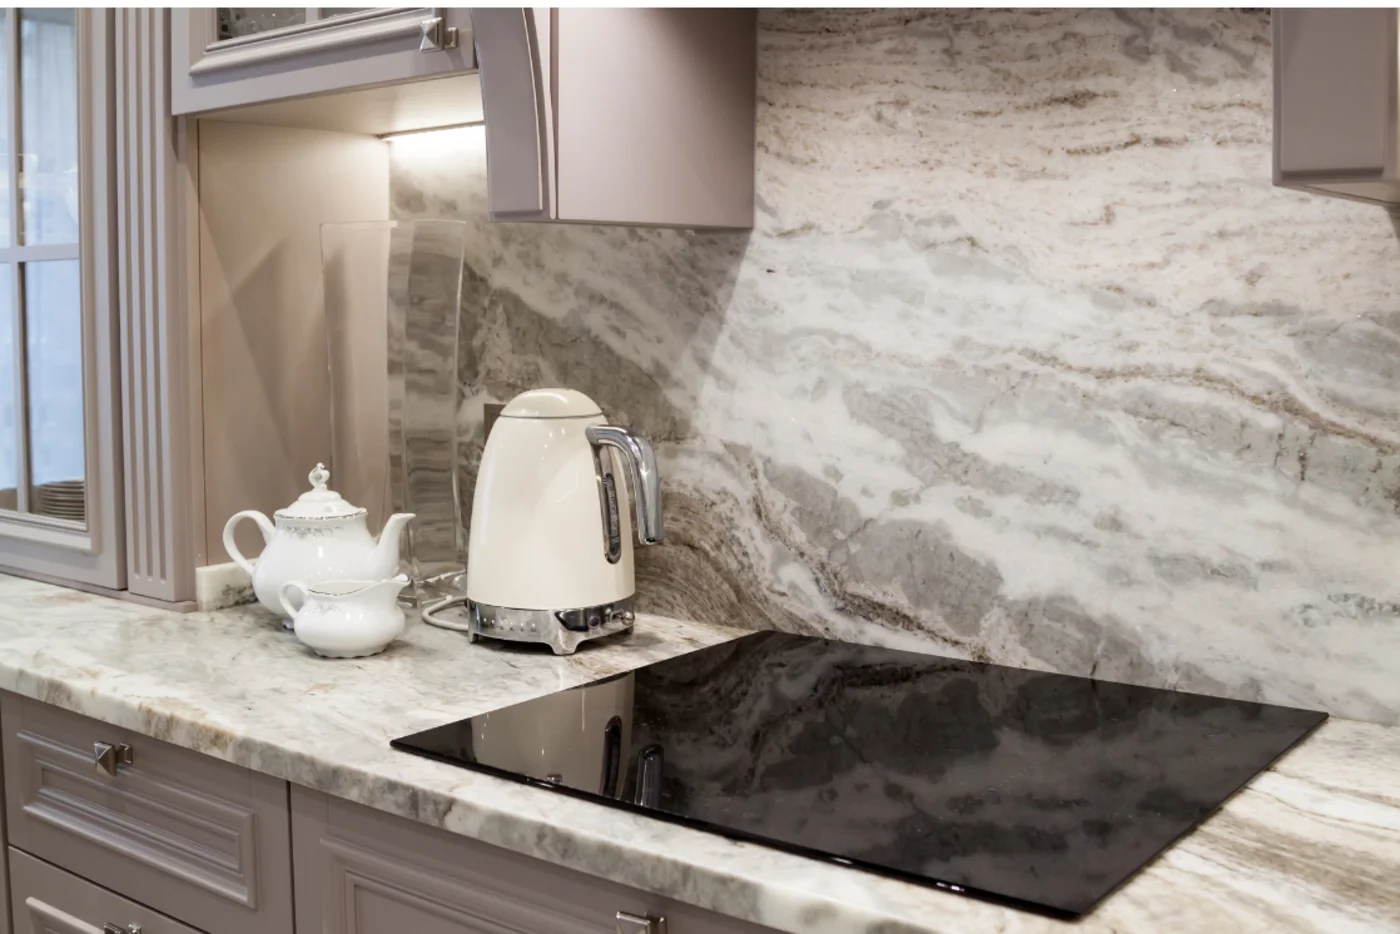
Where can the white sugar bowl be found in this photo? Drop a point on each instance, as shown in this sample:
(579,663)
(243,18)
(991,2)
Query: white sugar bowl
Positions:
(346,619)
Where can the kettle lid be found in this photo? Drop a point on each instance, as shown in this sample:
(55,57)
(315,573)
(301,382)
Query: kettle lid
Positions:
(319,502)
(551,403)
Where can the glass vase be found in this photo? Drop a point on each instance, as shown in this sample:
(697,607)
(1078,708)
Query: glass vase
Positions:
(392,296)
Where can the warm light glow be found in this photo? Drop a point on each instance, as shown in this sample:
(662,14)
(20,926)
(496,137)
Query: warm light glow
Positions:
(455,145)
(436,133)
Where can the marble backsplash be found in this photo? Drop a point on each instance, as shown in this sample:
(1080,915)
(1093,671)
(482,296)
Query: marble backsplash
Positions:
(1025,360)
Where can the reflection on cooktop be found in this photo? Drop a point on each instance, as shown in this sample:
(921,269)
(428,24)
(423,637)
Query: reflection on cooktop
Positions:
(1043,791)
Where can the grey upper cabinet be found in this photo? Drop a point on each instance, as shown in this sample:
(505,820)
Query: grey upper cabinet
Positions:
(619,116)
(232,57)
(1336,94)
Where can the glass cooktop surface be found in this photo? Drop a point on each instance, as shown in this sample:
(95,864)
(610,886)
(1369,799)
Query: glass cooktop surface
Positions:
(1041,791)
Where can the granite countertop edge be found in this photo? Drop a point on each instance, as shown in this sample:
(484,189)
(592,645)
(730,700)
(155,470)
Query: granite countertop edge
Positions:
(233,685)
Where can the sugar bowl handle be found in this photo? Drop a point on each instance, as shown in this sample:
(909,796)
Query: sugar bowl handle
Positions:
(288,588)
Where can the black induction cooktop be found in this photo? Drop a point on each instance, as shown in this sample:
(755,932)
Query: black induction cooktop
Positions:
(1041,791)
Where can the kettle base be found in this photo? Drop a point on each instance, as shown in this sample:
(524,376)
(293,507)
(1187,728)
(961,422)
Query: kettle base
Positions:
(562,630)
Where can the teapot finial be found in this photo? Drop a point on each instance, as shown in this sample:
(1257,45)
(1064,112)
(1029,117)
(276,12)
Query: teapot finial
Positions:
(319,477)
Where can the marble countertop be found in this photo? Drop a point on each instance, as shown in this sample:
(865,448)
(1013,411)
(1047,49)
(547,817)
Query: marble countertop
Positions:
(1313,844)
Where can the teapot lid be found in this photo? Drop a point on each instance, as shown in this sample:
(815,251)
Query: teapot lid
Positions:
(319,502)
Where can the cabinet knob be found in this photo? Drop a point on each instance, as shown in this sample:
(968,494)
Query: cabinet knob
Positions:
(628,923)
(436,36)
(110,928)
(109,757)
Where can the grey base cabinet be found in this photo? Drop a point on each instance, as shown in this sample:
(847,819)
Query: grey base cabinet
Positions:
(113,832)
(194,838)
(4,859)
(51,901)
(360,871)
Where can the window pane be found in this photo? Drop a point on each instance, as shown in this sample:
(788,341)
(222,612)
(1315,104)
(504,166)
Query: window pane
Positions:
(4,136)
(328,11)
(54,333)
(49,149)
(236,21)
(9,427)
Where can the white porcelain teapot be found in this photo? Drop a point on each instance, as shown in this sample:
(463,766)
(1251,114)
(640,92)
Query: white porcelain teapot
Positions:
(318,538)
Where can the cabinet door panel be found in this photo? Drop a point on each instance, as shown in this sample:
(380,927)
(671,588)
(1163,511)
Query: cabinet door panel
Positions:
(679,154)
(364,872)
(369,894)
(353,50)
(51,901)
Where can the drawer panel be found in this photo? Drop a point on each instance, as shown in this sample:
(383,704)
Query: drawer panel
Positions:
(365,872)
(48,900)
(193,837)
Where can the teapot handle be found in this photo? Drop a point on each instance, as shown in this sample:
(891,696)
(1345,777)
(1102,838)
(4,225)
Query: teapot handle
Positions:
(264,524)
(286,589)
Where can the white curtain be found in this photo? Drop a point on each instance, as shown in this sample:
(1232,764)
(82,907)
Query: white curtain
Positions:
(49,82)
(53,295)
(9,429)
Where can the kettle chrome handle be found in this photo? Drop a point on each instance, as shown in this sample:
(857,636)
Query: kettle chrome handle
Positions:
(642,475)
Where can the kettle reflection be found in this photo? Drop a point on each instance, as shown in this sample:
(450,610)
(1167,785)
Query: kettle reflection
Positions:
(576,738)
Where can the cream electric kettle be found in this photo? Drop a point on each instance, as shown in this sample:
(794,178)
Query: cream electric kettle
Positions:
(549,556)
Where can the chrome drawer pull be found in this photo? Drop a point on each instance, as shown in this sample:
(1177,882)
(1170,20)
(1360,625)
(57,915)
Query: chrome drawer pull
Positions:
(110,928)
(108,758)
(628,923)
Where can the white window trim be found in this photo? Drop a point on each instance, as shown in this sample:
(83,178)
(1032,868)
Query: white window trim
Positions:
(40,544)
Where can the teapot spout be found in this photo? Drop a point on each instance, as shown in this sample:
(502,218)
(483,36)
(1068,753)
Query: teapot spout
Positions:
(386,553)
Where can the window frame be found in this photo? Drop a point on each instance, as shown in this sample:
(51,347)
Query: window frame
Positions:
(38,544)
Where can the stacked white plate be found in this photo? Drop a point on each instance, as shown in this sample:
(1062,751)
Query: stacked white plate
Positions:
(61,499)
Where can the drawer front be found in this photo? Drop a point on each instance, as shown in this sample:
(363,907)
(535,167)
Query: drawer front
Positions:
(48,900)
(201,840)
(364,872)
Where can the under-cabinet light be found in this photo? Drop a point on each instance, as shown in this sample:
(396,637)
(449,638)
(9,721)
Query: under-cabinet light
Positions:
(432,129)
